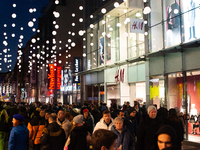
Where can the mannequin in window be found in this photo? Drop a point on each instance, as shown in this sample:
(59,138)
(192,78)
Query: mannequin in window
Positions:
(191,18)
(193,118)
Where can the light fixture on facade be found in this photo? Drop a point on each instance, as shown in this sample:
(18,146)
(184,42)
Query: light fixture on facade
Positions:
(147,10)
(116,4)
(103,10)
(91,26)
(138,14)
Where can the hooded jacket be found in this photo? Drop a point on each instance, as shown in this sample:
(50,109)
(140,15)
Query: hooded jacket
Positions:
(166,129)
(102,125)
(53,135)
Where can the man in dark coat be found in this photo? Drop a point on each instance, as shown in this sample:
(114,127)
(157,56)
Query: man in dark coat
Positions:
(53,136)
(147,129)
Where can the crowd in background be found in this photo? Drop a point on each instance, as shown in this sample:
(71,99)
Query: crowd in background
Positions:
(71,127)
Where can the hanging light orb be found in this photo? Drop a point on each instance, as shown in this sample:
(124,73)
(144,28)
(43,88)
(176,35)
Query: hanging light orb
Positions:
(69,32)
(56,26)
(81,32)
(34,20)
(21,28)
(80,19)
(116,4)
(73,44)
(30,24)
(73,34)
(31,10)
(5,25)
(73,15)
(91,16)
(80,7)
(14,15)
(34,9)
(56,2)
(33,29)
(73,24)
(13,35)
(33,40)
(103,10)
(13,25)
(38,30)
(69,40)
(84,54)
(54,22)
(21,37)
(14,5)
(54,32)
(91,26)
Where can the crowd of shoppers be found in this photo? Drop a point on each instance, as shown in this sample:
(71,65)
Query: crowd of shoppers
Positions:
(69,127)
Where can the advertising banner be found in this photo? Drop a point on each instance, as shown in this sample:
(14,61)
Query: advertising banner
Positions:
(76,78)
(51,77)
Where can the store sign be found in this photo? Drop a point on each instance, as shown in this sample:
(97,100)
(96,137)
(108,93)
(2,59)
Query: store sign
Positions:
(137,25)
(51,77)
(119,76)
(58,77)
(76,78)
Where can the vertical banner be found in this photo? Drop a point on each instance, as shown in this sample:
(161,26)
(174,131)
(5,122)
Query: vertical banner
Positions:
(76,78)
(51,77)
(58,77)
(33,73)
(101,51)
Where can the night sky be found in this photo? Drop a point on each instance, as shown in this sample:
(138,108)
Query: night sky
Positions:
(10,35)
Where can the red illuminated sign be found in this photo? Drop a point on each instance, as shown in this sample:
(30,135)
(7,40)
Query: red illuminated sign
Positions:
(58,77)
(51,76)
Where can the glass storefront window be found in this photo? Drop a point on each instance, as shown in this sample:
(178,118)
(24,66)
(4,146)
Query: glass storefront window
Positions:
(193,95)
(112,40)
(156,38)
(94,59)
(157,90)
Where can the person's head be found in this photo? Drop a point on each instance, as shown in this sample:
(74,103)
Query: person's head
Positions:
(128,104)
(36,113)
(104,140)
(47,114)
(136,105)
(78,119)
(52,118)
(118,121)
(132,112)
(165,137)
(17,120)
(152,112)
(106,116)
(42,113)
(85,113)
(61,115)
(120,114)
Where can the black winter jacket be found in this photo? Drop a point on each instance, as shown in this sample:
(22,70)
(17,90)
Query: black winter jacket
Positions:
(53,135)
(146,131)
(78,138)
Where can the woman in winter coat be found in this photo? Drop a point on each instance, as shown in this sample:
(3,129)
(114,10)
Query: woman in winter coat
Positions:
(125,139)
(78,140)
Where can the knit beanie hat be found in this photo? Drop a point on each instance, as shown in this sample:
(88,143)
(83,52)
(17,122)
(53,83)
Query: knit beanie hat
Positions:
(18,117)
(150,108)
(78,119)
(130,110)
(85,110)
